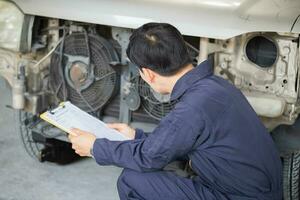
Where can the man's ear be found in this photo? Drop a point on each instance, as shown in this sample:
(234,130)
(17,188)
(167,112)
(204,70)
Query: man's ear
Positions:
(149,74)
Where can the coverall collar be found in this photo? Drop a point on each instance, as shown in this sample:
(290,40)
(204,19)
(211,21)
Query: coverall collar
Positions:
(199,72)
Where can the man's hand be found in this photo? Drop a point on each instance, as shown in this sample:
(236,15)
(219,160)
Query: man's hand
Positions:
(82,141)
(124,129)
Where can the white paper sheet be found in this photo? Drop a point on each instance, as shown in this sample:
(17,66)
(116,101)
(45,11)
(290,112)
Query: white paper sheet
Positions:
(68,116)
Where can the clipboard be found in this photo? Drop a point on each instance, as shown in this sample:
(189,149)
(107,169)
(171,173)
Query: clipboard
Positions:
(67,116)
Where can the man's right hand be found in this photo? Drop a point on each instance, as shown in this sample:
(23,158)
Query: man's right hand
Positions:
(123,128)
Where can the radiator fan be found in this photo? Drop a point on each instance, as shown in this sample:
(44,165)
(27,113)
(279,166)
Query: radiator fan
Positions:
(81,73)
(155,104)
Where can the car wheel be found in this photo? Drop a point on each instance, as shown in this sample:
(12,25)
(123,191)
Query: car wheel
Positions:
(291,164)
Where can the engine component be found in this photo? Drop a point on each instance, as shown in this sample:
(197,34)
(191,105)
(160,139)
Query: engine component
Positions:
(34,82)
(266,106)
(130,91)
(133,100)
(128,100)
(155,104)
(18,89)
(264,67)
(80,71)
(57,151)
(37,103)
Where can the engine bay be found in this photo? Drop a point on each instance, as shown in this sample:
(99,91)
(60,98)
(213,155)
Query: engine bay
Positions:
(87,65)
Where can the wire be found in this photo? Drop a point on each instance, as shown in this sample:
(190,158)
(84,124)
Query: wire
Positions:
(93,111)
(47,55)
(77,86)
(104,76)
(61,50)
(101,83)
(87,46)
(294,23)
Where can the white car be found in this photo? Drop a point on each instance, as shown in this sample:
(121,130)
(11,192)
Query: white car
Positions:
(52,51)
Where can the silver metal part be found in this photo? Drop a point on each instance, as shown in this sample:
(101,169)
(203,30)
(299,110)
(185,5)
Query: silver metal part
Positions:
(35,103)
(122,36)
(203,53)
(34,80)
(78,72)
(18,89)
(271,90)
(125,112)
(133,100)
(26,36)
(53,33)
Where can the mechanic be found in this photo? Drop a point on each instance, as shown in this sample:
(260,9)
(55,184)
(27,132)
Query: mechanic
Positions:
(212,124)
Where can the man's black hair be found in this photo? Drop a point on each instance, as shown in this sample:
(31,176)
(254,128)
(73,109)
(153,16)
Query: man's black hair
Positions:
(159,47)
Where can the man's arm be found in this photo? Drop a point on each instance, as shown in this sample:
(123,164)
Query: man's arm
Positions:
(82,141)
(140,134)
(173,138)
(128,131)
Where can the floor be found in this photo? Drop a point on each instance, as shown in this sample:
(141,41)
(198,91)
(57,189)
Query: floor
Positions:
(22,178)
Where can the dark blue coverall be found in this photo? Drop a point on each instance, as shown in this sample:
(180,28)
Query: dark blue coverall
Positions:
(214,125)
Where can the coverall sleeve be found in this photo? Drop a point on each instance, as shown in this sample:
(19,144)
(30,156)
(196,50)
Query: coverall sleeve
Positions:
(173,138)
(140,134)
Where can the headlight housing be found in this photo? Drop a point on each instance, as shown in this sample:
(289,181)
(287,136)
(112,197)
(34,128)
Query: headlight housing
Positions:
(11,24)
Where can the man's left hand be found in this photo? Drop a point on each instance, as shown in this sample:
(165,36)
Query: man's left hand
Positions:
(82,141)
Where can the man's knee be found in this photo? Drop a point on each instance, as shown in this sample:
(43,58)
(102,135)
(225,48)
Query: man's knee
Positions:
(121,178)
(128,184)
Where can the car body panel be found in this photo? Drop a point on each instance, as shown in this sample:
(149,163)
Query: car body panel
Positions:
(219,19)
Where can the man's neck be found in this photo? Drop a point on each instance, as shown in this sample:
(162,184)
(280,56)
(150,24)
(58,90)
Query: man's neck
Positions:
(171,81)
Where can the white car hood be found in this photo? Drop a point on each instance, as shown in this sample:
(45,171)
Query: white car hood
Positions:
(220,19)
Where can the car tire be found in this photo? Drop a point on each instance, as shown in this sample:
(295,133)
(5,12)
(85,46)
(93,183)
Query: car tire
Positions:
(291,166)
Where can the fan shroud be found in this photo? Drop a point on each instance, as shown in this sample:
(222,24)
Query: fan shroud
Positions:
(156,105)
(90,55)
